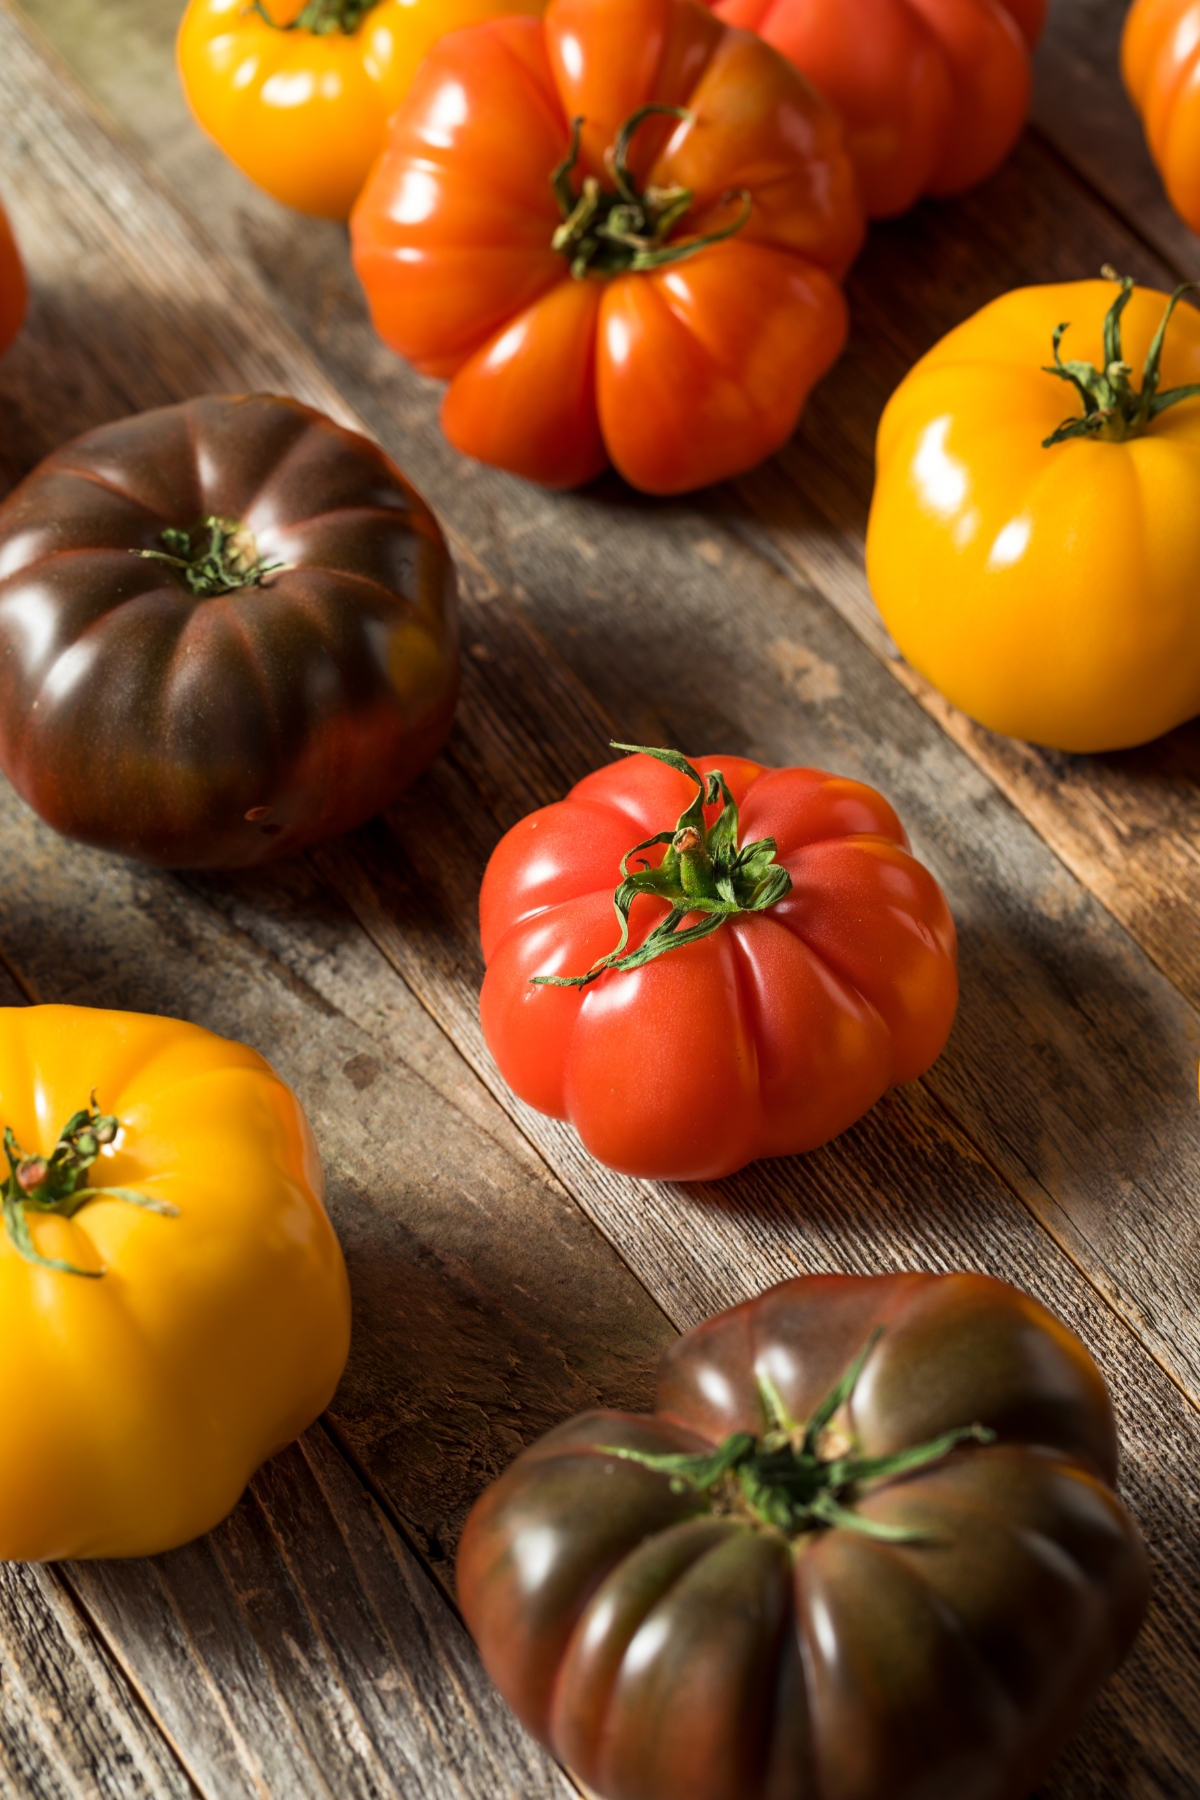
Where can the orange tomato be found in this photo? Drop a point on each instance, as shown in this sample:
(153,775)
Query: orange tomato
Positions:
(13,292)
(662,293)
(298,92)
(933,92)
(1160,63)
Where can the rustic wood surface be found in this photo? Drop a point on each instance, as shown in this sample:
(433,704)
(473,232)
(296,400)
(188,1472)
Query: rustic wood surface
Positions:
(501,1279)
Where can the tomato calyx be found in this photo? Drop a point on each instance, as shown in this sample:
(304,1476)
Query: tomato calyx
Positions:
(321,17)
(621,230)
(229,560)
(782,1482)
(703,871)
(56,1184)
(1113,409)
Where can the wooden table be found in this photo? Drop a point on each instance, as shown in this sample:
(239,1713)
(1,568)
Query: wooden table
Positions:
(502,1281)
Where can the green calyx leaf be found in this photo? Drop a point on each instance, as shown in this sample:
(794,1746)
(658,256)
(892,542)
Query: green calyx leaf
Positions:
(782,1478)
(321,17)
(621,230)
(1113,409)
(214,557)
(57,1184)
(703,872)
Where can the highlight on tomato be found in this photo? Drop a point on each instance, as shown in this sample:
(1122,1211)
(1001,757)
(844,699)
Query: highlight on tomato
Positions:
(1160,64)
(171,1289)
(933,93)
(1042,572)
(867,1545)
(298,93)
(246,633)
(778,958)
(14,294)
(619,233)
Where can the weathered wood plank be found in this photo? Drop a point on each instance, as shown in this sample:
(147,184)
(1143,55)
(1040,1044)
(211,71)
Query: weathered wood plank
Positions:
(71,1726)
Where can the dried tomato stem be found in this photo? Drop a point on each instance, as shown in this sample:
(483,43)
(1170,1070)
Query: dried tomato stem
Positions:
(321,17)
(229,560)
(1113,409)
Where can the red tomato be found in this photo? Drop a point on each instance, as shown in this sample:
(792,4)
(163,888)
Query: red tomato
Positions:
(633,341)
(13,292)
(769,1035)
(933,93)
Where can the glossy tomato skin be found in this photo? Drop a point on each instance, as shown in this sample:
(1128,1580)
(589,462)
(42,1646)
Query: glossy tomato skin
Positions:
(679,375)
(1160,63)
(14,294)
(933,92)
(151,1393)
(667,1651)
(304,114)
(1055,599)
(222,731)
(767,1038)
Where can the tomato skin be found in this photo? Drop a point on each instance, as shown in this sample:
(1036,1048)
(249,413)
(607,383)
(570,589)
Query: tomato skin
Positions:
(666,1649)
(232,729)
(767,1038)
(150,1395)
(1056,592)
(1160,63)
(304,114)
(680,374)
(14,295)
(933,92)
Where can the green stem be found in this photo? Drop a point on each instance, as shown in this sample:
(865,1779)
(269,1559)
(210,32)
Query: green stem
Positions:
(703,871)
(622,230)
(782,1479)
(55,1184)
(1113,409)
(227,561)
(321,17)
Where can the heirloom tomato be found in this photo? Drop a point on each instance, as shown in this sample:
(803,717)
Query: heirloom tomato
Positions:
(781,960)
(1043,573)
(173,1303)
(13,293)
(619,232)
(867,1548)
(298,93)
(933,93)
(1160,61)
(227,628)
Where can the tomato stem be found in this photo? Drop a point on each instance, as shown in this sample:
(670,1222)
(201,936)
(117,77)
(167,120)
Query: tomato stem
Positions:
(782,1477)
(624,231)
(703,871)
(321,17)
(1113,409)
(228,561)
(52,1184)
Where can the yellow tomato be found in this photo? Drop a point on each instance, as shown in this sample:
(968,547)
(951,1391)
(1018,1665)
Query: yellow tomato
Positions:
(1050,592)
(154,1358)
(1160,61)
(298,93)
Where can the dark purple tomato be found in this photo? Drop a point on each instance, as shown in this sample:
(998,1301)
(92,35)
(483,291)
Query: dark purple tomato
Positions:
(867,1548)
(227,628)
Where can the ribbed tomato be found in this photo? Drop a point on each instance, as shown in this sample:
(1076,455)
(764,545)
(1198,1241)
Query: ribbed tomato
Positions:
(787,960)
(1160,61)
(657,289)
(933,93)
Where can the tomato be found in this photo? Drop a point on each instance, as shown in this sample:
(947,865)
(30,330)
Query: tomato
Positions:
(13,292)
(1160,61)
(867,1547)
(186,1322)
(298,93)
(933,92)
(656,288)
(227,628)
(787,960)
(1044,577)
